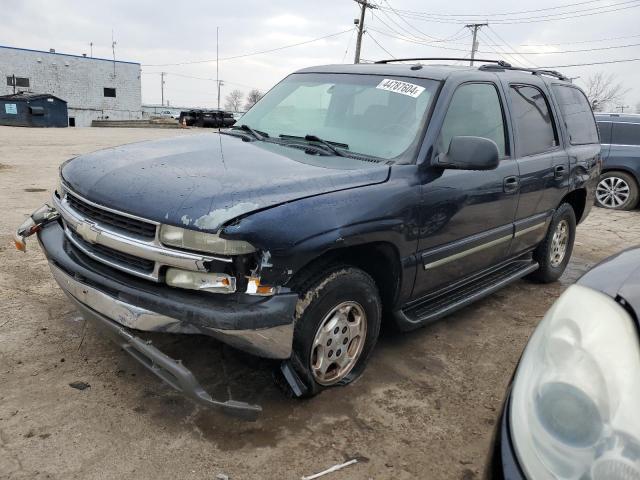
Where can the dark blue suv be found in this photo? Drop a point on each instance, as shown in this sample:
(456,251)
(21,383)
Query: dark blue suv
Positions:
(347,193)
(620,137)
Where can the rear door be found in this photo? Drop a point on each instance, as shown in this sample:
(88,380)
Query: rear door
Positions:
(543,163)
(467,216)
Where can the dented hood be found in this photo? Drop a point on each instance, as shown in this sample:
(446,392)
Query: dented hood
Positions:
(203,181)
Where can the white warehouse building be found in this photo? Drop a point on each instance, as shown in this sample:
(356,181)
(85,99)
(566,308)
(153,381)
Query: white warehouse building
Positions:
(94,88)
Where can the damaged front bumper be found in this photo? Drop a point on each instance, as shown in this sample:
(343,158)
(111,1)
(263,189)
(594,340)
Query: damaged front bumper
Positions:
(118,302)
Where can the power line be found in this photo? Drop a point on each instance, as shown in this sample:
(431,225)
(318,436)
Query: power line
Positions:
(535,19)
(348,44)
(578,41)
(261,52)
(405,21)
(484,15)
(493,32)
(595,63)
(378,44)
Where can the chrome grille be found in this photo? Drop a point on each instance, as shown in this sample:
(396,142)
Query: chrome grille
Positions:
(120,222)
(113,256)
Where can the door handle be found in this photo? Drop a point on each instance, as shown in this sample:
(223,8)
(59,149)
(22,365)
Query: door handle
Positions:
(559,171)
(510,184)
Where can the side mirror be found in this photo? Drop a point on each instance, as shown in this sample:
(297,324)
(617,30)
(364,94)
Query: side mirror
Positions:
(470,153)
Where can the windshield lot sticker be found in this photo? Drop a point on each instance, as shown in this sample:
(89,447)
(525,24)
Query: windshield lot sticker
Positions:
(404,88)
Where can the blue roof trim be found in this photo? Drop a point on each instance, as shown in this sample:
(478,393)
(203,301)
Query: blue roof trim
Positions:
(67,55)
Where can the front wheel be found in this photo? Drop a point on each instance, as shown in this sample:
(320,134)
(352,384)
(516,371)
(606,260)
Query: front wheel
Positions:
(337,324)
(554,252)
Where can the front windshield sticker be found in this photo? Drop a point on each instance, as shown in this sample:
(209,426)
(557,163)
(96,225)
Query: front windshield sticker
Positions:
(404,88)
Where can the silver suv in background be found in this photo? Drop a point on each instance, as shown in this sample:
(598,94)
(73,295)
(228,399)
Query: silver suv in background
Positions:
(620,178)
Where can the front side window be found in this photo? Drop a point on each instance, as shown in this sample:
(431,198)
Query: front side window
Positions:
(577,116)
(535,131)
(625,134)
(369,114)
(475,110)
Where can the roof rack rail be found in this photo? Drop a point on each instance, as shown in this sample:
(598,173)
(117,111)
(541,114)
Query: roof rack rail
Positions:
(534,71)
(502,63)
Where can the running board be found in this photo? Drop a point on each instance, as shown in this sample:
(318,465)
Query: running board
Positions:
(440,304)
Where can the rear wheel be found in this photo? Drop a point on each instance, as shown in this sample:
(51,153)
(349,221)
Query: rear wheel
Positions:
(337,324)
(554,253)
(617,190)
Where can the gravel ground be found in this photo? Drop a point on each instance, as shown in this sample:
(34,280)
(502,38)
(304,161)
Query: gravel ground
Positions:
(425,408)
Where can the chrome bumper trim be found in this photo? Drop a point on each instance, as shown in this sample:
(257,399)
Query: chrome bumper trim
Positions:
(275,342)
(149,250)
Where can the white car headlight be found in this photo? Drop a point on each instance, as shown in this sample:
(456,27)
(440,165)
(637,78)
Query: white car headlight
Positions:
(574,406)
(202,242)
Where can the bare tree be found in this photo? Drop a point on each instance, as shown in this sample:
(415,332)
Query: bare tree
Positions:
(252,98)
(233,102)
(603,90)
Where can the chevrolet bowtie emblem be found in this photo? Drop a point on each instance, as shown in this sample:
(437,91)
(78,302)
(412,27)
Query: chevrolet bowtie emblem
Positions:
(86,231)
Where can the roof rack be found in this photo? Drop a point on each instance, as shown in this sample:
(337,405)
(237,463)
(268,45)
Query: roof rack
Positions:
(502,63)
(496,64)
(534,71)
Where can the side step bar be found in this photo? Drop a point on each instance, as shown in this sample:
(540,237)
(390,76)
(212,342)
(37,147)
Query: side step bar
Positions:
(171,371)
(440,304)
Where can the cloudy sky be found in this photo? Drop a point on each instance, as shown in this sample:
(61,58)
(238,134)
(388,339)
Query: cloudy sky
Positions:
(180,37)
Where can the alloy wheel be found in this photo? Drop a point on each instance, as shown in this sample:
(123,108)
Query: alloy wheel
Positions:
(612,192)
(338,343)
(559,243)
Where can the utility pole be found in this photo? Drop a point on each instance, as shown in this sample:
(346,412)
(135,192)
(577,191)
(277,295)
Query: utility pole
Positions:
(162,74)
(622,107)
(217,69)
(113,49)
(220,83)
(474,27)
(91,46)
(14,83)
(364,4)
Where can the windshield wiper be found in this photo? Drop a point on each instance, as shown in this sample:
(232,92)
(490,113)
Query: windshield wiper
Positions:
(324,143)
(260,136)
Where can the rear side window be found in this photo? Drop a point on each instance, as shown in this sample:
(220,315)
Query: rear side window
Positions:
(577,115)
(532,119)
(625,134)
(476,111)
(605,132)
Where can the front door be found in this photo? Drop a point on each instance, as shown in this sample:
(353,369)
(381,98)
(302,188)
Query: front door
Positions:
(467,216)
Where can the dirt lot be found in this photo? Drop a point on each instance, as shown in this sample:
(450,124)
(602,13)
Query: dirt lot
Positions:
(425,408)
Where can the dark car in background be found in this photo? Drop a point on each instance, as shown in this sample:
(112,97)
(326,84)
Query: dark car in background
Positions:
(620,180)
(572,409)
(207,118)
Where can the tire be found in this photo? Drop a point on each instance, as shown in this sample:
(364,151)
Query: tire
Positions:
(617,191)
(339,295)
(547,254)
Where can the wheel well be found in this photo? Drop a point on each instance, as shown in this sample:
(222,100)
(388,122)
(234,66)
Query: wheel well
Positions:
(379,259)
(578,200)
(622,170)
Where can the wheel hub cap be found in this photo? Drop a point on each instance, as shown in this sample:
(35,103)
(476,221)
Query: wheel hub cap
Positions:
(559,243)
(338,343)
(612,192)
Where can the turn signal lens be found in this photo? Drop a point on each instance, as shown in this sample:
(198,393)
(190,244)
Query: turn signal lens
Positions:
(255,288)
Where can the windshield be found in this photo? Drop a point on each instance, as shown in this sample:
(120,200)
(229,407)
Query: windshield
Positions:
(368,114)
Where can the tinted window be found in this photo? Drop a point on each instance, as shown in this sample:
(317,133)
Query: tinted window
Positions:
(605,132)
(577,116)
(532,119)
(109,92)
(475,110)
(625,134)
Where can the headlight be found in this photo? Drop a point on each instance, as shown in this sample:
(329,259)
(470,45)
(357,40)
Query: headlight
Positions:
(574,411)
(202,242)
